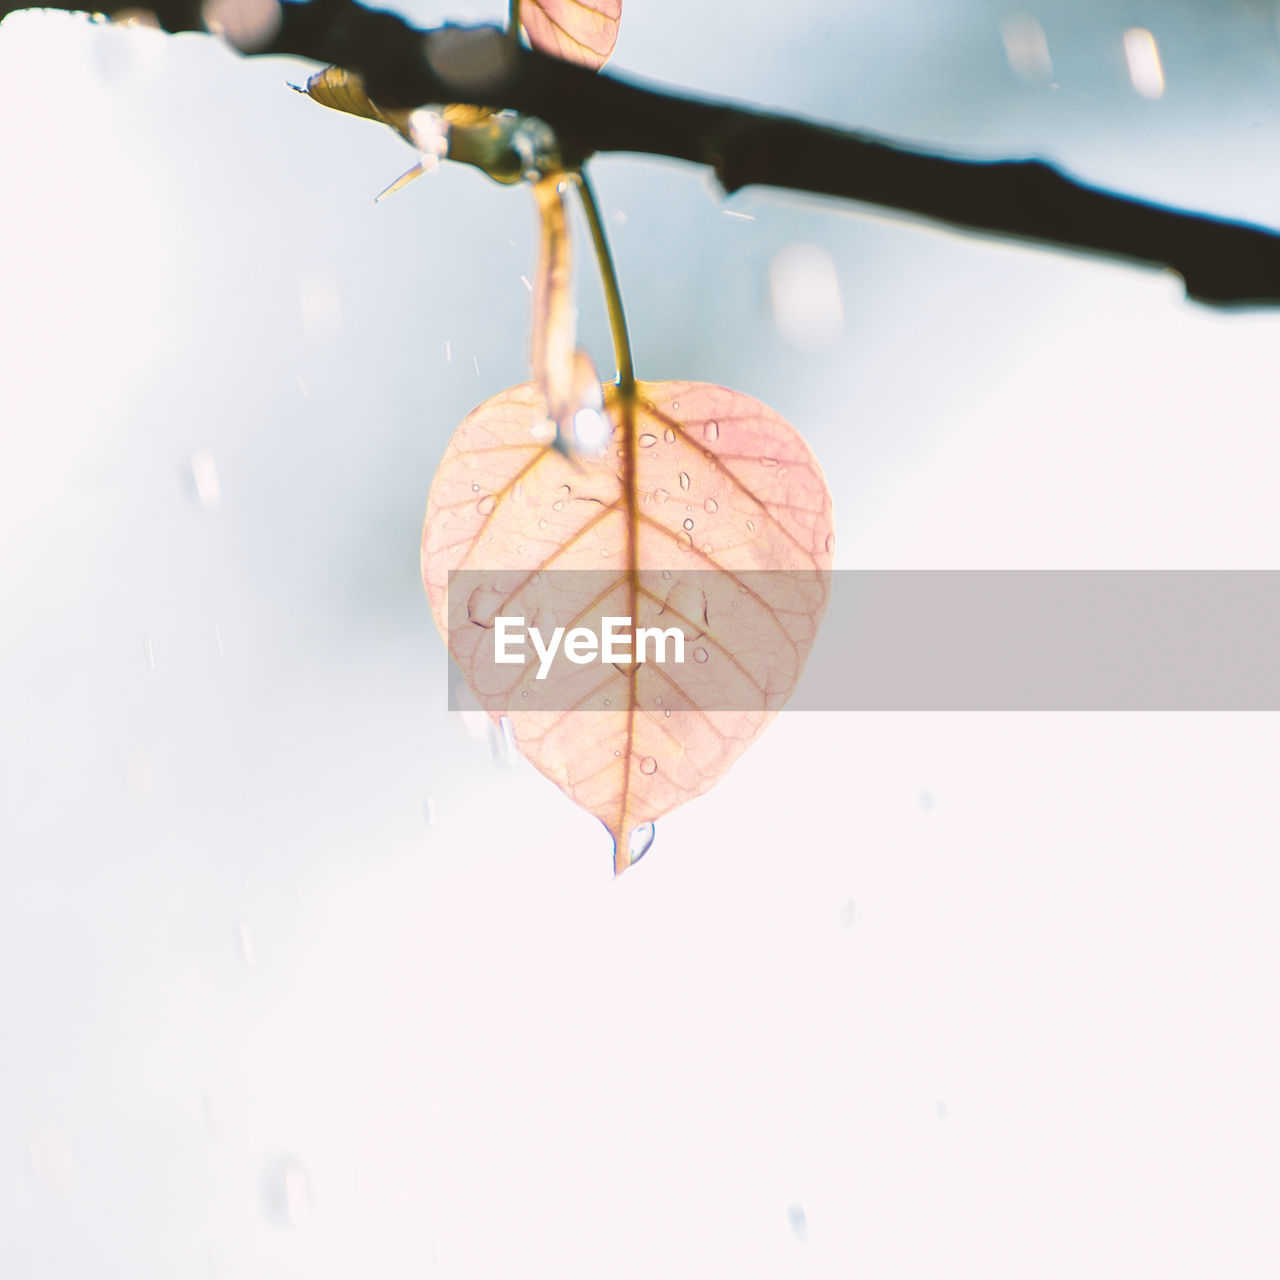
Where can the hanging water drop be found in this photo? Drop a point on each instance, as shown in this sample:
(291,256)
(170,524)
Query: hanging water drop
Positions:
(507,751)
(640,842)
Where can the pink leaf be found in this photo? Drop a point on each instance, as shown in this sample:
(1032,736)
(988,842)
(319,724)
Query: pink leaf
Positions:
(583,31)
(700,490)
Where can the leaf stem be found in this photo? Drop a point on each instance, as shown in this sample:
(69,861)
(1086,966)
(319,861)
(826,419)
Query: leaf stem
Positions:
(612,294)
(627,422)
(513,22)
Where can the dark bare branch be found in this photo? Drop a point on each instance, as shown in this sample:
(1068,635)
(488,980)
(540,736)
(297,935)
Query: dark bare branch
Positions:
(1223,262)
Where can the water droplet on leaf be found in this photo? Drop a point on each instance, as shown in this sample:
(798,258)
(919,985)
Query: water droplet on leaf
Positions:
(688,524)
(483,605)
(486,504)
(700,654)
(684,479)
(591,430)
(647,441)
(711,431)
(711,505)
(648,765)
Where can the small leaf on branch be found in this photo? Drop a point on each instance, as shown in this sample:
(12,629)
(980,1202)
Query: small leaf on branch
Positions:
(507,146)
(582,31)
(343,90)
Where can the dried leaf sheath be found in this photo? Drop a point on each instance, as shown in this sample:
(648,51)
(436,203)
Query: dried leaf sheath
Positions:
(552,332)
(565,373)
(342,90)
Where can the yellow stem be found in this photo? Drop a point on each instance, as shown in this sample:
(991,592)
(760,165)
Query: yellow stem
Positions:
(612,294)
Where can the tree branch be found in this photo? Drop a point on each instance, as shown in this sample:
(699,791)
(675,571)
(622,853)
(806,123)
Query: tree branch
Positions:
(1222,262)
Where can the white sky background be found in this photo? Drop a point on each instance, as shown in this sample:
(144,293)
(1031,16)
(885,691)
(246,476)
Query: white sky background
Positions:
(979,995)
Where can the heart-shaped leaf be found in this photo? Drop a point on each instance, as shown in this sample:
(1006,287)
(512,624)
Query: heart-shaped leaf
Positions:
(707,513)
(582,31)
